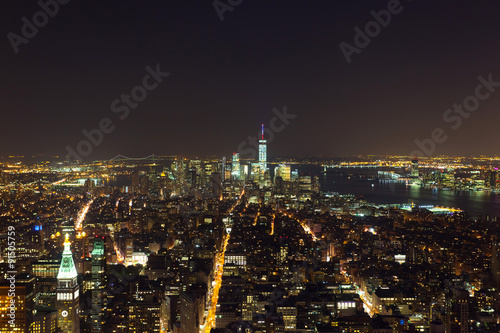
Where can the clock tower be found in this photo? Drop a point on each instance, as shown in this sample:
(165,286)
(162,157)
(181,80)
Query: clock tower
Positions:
(68,293)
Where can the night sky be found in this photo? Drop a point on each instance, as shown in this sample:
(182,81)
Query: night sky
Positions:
(227,76)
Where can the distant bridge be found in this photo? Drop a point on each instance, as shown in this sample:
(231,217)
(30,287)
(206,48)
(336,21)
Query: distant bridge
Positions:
(122,158)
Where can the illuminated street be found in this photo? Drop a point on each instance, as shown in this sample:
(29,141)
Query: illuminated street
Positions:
(82,214)
(213,293)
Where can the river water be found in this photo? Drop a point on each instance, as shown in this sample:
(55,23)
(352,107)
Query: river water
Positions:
(384,192)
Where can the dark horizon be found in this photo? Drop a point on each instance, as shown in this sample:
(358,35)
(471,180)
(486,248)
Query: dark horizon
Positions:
(225,78)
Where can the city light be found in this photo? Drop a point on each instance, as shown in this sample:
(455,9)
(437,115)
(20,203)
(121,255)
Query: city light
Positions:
(82,214)
(187,168)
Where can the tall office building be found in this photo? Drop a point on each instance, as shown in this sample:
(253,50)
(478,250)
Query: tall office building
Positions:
(68,293)
(144,314)
(216,183)
(284,171)
(45,272)
(191,312)
(98,284)
(458,312)
(495,262)
(46,268)
(223,168)
(45,320)
(263,152)
(235,168)
(17,316)
(144,307)
(255,171)
(135,179)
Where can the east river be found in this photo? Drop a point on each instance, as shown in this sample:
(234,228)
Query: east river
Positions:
(384,192)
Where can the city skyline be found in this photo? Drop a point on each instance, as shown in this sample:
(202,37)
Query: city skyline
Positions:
(231,166)
(208,245)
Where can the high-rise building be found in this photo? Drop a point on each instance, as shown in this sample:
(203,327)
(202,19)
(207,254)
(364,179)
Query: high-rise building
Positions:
(68,293)
(216,184)
(235,168)
(144,314)
(223,168)
(98,284)
(36,239)
(129,249)
(284,171)
(191,316)
(289,313)
(17,316)
(144,307)
(255,171)
(46,268)
(89,185)
(495,262)
(263,152)
(44,320)
(458,312)
(45,272)
(305,184)
(135,179)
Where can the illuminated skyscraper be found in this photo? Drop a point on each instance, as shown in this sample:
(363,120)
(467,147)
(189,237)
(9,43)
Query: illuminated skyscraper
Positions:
(235,168)
(284,171)
(263,152)
(223,168)
(98,284)
(68,293)
(17,315)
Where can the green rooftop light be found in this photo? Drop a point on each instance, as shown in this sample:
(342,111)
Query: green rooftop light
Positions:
(67,270)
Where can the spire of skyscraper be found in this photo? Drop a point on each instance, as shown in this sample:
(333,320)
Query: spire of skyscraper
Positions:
(67,270)
(263,153)
(68,293)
